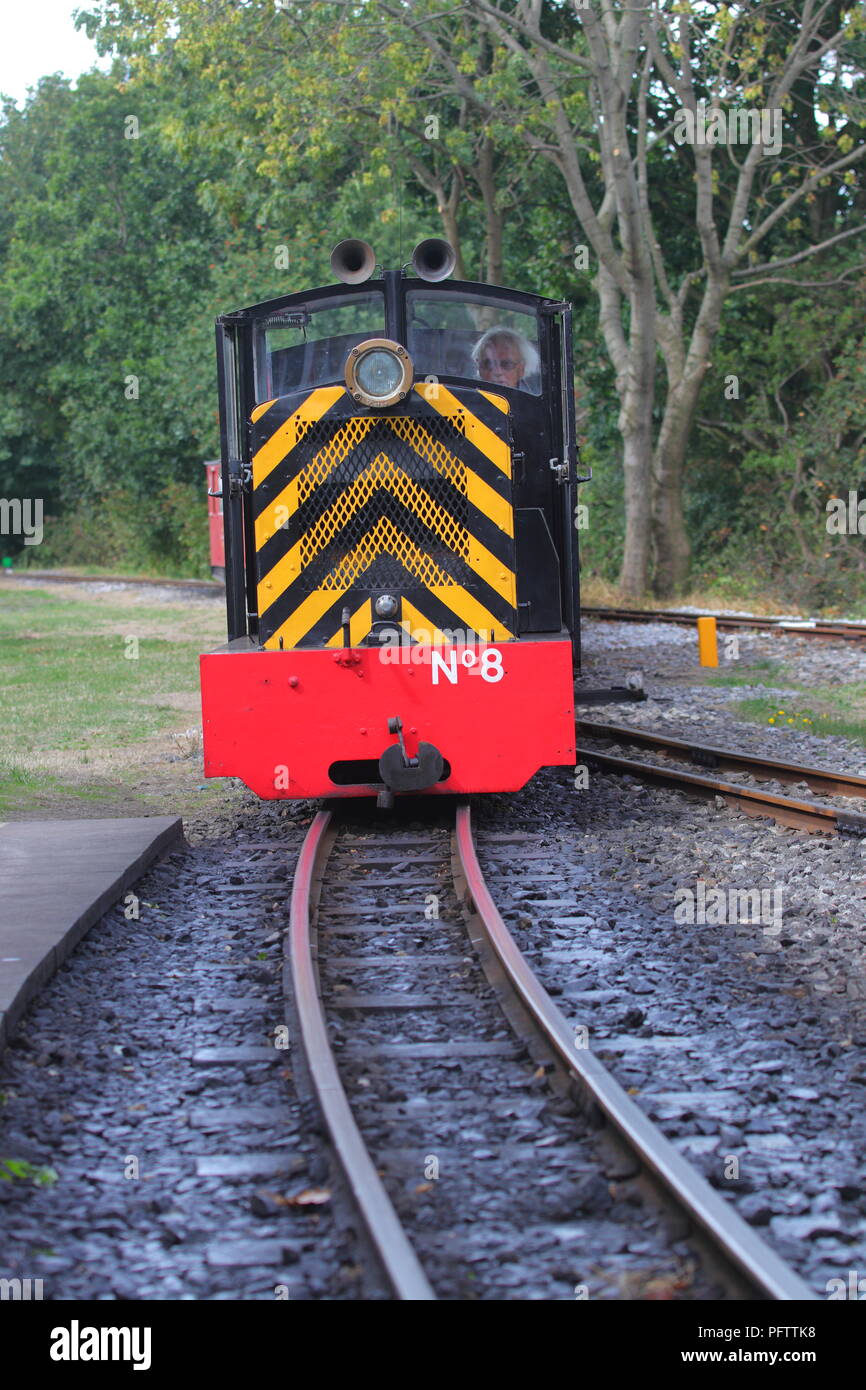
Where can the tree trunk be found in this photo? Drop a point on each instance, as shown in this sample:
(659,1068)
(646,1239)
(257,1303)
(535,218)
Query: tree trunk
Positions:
(671,549)
(634,570)
(447,209)
(634,360)
(486,180)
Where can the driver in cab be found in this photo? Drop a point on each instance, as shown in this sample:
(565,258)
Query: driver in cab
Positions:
(505,358)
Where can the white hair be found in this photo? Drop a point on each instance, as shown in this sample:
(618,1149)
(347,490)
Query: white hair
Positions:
(528,352)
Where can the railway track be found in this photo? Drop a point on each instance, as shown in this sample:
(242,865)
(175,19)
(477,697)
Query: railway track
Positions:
(202,586)
(838,629)
(403,976)
(835,629)
(753,801)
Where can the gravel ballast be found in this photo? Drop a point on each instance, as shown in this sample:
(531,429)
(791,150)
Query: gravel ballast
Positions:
(148,1078)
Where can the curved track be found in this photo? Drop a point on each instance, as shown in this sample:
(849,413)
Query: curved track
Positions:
(748,1267)
(398,1259)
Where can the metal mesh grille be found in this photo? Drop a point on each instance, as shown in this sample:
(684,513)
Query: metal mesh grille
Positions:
(404,459)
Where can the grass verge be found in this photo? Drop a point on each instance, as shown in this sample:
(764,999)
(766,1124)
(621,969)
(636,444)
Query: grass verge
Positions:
(756,673)
(99,709)
(825,710)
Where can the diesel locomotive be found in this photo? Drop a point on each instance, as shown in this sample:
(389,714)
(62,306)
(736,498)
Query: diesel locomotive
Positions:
(398,485)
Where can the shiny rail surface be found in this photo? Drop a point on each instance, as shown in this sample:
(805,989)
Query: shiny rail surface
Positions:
(838,629)
(755,1267)
(762,1268)
(820,779)
(399,1261)
(786,810)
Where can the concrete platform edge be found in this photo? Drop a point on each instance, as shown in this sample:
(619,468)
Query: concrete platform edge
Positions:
(170,837)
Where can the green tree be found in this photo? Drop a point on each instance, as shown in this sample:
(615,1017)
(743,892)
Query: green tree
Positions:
(643,66)
(105,246)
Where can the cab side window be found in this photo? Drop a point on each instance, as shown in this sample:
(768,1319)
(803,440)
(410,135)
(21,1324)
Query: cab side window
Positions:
(480,337)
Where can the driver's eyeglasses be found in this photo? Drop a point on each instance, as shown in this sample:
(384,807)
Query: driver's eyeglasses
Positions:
(506,364)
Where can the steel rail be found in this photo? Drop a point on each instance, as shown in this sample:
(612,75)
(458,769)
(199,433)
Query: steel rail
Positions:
(214,586)
(399,1261)
(813,816)
(822,779)
(842,629)
(761,1266)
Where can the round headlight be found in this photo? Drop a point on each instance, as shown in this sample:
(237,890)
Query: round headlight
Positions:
(378,372)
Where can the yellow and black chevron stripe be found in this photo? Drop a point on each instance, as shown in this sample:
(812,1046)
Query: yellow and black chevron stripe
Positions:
(349,505)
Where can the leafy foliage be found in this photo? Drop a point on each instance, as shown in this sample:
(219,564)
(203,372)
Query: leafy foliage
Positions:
(20,1170)
(233,144)
(792,440)
(105,247)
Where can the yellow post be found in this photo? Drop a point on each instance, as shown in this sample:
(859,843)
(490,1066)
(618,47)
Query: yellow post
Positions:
(708,647)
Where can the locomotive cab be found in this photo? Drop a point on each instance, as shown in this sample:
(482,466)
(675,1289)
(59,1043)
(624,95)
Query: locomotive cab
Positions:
(398,479)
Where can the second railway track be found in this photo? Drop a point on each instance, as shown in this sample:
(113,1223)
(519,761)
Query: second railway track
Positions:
(840,630)
(797,813)
(488,1158)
